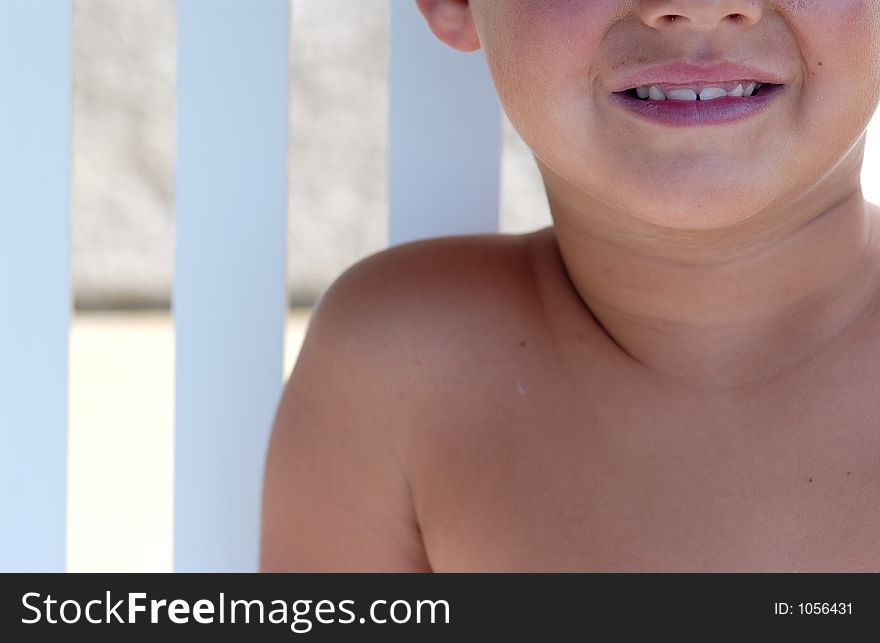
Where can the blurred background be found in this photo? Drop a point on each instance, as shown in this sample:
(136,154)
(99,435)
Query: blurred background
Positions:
(124,141)
(122,344)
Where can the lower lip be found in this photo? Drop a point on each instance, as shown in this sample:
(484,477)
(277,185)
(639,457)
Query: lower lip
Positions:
(696,113)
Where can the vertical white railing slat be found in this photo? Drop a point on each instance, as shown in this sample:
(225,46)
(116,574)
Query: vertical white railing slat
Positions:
(444,147)
(35,298)
(229,292)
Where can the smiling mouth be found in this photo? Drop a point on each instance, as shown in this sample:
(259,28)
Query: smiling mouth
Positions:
(700,92)
(714,103)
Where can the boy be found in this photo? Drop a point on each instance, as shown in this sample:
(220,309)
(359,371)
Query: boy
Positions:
(679,375)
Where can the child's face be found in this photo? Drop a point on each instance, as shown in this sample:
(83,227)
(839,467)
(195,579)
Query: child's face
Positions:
(557,63)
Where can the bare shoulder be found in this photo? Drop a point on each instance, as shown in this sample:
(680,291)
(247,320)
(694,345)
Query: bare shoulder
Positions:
(445,299)
(424,280)
(419,312)
(380,340)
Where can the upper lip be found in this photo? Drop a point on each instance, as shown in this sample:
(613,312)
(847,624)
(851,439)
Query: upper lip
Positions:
(688,74)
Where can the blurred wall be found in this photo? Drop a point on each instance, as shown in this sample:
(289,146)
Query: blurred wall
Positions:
(123,129)
(123,151)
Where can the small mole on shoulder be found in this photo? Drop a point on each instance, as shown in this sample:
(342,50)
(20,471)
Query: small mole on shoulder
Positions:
(810,480)
(522,342)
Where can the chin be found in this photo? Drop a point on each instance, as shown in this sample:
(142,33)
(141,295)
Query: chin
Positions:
(710,214)
(678,200)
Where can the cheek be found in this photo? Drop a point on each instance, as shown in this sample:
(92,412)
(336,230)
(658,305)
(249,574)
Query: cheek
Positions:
(843,31)
(840,44)
(539,54)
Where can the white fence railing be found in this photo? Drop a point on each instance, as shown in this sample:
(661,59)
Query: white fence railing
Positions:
(229,286)
(35,296)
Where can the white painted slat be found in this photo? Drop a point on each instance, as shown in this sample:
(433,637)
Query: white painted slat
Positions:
(444,148)
(35,300)
(229,291)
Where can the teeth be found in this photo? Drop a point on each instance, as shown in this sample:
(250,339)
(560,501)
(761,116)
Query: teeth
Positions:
(712,92)
(709,93)
(655,94)
(681,94)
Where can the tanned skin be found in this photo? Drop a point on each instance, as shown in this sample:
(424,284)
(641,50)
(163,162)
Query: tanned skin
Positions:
(680,374)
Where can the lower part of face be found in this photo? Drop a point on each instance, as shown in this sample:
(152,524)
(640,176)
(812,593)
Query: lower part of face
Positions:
(554,65)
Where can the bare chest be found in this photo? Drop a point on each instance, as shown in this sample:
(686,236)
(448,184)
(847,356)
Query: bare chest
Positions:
(637,482)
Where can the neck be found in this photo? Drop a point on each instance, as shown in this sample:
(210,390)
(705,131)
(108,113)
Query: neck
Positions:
(725,308)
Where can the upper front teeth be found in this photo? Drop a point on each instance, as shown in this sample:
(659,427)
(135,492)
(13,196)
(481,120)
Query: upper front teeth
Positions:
(709,93)
(683,94)
(712,92)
